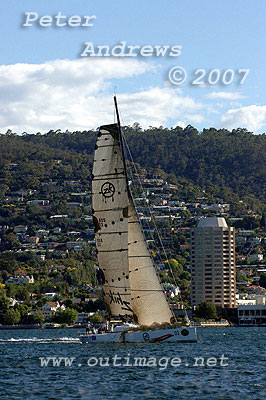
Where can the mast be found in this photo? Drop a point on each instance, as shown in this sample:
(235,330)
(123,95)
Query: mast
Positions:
(122,146)
(117,114)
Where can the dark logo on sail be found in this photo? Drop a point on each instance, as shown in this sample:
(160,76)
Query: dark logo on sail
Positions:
(116,298)
(146,336)
(108,190)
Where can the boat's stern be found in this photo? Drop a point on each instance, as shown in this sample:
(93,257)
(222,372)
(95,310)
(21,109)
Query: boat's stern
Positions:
(101,338)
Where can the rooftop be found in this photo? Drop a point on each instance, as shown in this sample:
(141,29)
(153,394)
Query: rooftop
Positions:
(212,222)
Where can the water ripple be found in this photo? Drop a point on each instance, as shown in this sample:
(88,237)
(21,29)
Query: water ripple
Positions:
(23,377)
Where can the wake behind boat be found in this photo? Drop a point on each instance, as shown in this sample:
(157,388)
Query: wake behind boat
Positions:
(131,286)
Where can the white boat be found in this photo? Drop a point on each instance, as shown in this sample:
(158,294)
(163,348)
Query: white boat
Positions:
(123,334)
(131,286)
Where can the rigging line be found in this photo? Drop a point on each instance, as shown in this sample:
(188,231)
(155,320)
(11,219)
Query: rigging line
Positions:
(149,226)
(154,240)
(142,207)
(144,236)
(153,237)
(155,225)
(148,223)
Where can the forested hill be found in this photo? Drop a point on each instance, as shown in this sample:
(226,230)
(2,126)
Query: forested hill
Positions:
(233,162)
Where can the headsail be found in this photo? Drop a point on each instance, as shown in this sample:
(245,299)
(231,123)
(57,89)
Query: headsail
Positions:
(148,300)
(110,216)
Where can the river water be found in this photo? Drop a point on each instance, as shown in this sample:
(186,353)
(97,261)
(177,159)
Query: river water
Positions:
(226,363)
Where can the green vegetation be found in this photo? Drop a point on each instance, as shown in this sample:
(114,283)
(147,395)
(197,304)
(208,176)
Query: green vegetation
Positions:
(38,318)
(96,318)
(229,164)
(67,316)
(206,310)
(4,303)
(45,191)
(11,317)
(222,162)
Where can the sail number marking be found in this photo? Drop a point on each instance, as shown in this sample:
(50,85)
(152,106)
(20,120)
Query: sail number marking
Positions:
(99,242)
(101,222)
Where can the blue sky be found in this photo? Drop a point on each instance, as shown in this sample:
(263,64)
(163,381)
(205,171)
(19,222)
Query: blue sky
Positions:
(45,84)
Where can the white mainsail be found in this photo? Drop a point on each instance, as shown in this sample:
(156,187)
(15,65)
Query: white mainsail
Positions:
(110,215)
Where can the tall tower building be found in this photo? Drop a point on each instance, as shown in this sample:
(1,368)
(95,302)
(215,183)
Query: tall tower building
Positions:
(213,263)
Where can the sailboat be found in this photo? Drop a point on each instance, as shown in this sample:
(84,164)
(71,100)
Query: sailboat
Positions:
(131,286)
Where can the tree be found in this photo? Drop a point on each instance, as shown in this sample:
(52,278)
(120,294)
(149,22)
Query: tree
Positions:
(206,310)
(4,303)
(42,301)
(67,316)
(69,303)
(240,277)
(38,317)
(248,222)
(11,317)
(176,267)
(10,242)
(185,275)
(24,311)
(11,289)
(96,317)
(22,293)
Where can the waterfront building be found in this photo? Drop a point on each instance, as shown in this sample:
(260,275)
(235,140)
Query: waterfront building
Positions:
(213,263)
(252,314)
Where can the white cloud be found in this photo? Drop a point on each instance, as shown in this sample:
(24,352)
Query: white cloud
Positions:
(64,94)
(182,124)
(251,117)
(225,95)
(153,107)
(197,118)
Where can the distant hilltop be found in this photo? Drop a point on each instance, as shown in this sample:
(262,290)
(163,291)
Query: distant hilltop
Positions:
(231,164)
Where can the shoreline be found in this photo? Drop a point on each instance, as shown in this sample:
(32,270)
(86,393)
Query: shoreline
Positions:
(203,325)
(27,327)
